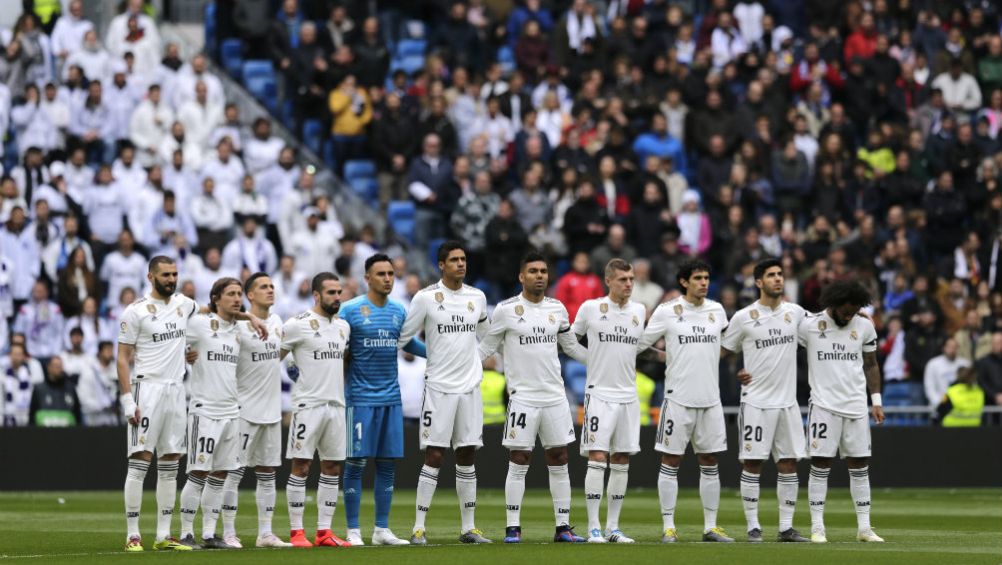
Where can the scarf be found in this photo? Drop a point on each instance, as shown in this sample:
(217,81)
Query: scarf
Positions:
(688,225)
(579,28)
(253,257)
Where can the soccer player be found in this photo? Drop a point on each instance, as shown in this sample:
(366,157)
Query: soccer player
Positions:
(842,366)
(691,326)
(213,412)
(613,325)
(529,328)
(374,415)
(769,422)
(452,315)
(153,331)
(259,388)
(318,341)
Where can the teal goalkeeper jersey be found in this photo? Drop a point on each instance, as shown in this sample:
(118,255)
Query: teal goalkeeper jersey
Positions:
(372,374)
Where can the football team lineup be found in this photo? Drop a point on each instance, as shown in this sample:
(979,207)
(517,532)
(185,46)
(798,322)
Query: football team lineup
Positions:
(346,403)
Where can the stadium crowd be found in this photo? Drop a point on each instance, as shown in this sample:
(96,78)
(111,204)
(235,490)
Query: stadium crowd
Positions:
(852,140)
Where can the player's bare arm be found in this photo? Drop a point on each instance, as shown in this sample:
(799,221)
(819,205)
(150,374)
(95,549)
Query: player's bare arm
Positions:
(257,323)
(871,368)
(129,407)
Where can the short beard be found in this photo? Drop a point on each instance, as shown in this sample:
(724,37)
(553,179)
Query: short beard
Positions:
(164,290)
(332,309)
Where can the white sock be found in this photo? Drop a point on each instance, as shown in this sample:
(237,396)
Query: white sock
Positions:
(265,495)
(560,491)
(230,494)
(327,500)
(514,491)
(212,500)
(709,493)
(750,490)
(786,491)
(619,474)
(817,491)
(859,487)
(594,479)
(295,494)
(191,496)
(166,496)
(668,494)
(466,489)
(133,492)
(426,484)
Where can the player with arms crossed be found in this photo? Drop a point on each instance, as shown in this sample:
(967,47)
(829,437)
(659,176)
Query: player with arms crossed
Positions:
(769,422)
(259,388)
(374,416)
(318,341)
(529,327)
(691,326)
(842,366)
(613,325)
(213,412)
(453,316)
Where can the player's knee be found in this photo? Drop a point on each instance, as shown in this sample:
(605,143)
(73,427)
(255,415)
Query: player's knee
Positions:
(755,466)
(219,474)
(620,458)
(786,466)
(671,460)
(330,467)
(520,457)
(433,457)
(821,462)
(465,455)
(300,467)
(198,474)
(707,459)
(556,456)
(143,456)
(857,462)
(597,456)
(168,457)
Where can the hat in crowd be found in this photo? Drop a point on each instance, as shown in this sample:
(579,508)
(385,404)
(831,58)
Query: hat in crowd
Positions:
(57,169)
(119,68)
(690,196)
(312,211)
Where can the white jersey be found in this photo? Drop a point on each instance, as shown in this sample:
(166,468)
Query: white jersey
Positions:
(318,344)
(213,383)
(157,329)
(452,321)
(835,362)
(768,339)
(613,335)
(259,372)
(528,333)
(692,346)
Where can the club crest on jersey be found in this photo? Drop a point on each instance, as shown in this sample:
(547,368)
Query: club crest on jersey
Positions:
(636,321)
(747,447)
(678,312)
(152,310)
(711,317)
(469,306)
(439,297)
(365,311)
(603,309)
(180,314)
(315,326)
(787,318)
(124,326)
(853,335)
(341,332)
(822,326)
(214,326)
(552,319)
(754,316)
(201,458)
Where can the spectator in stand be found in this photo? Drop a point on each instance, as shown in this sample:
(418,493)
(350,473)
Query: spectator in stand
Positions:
(41,322)
(578,284)
(124,267)
(961,92)
(98,394)
(658,142)
(990,372)
(249,250)
(200,116)
(54,401)
(92,126)
(149,126)
(351,111)
(33,125)
(429,184)
(394,142)
(20,375)
(862,42)
(188,77)
(263,150)
(94,328)
(973,342)
(76,283)
(614,246)
(586,221)
(469,222)
(212,217)
(506,243)
(226,169)
(92,59)
(941,372)
(457,41)
(695,234)
(119,33)
(68,33)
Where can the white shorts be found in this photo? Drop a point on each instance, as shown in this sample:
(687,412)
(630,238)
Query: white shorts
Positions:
(162,411)
(828,433)
(552,424)
(612,427)
(770,431)
(679,425)
(452,420)
(212,444)
(319,429)
(260,444)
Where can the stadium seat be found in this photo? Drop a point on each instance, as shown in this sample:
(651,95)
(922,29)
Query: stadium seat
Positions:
(400,214)
(433,246)
(313,135)
(232,53)
(255,69)
(413,29)
(288,116)
(506,57)
(366,188)
(409,64)
(210,27)
(575,376)
(359,168)
(328,154)
(409,47)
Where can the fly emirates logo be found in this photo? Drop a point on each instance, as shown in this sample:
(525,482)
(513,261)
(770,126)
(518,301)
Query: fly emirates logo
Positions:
(699,335)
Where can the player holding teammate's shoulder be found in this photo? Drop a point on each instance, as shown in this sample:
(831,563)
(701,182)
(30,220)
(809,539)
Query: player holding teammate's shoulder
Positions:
(452,316)
(769,421)
(153,331)
(529,328)
(375,417)
(318,341)
(842,366)
(691,326)
(613,326)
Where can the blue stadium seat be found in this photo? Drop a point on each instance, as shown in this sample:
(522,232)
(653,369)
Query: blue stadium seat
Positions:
(433,246)
(400,214)
(575,376)
(313,135)
(409,64)
(288,116)
(210,26)
(328,154)
(232,53)
(256,69)
(411,47)
(413,29)
(359,168)
(366,188)
(506,56)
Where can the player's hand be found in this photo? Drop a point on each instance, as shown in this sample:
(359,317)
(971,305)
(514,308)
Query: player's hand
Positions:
(744,377)
(129,408)
(878,414)
(191,356)
(259,327)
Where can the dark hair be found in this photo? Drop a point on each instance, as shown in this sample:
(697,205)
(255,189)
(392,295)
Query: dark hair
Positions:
(764,265)
(75,330)
(378,258)
(318,281)
(531,256)
(158,260)
(686,269)
(448,247)
(839,293)
(104,343)
(249,283)
(217,290)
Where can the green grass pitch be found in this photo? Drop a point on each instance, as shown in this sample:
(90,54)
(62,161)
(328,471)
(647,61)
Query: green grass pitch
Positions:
(934,526)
